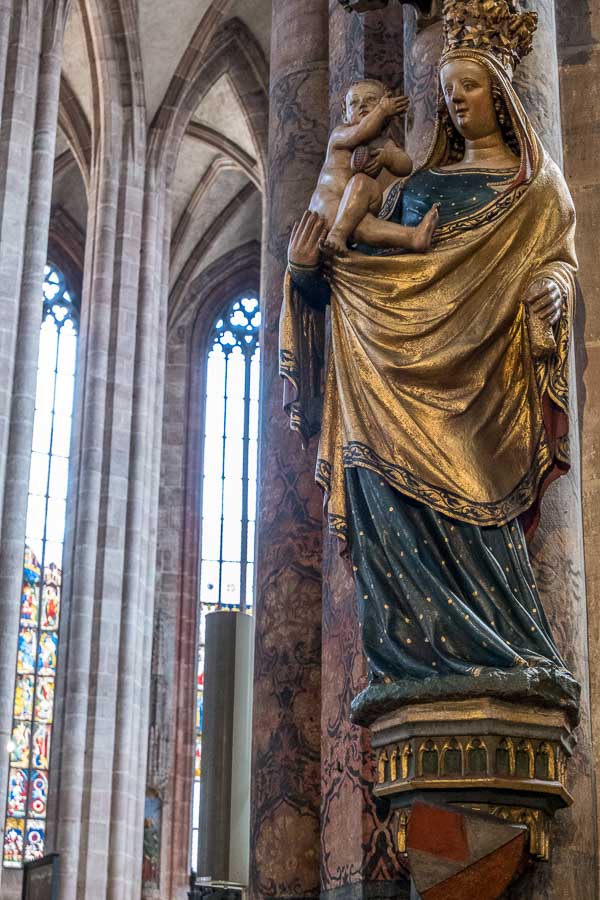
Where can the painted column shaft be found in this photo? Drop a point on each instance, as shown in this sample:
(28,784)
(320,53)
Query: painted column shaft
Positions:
(285,764)
(358,856)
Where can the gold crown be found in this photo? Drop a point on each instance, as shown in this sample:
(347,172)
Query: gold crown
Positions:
(492,25)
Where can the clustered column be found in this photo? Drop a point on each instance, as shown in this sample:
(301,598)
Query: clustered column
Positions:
(98,777)
(31,40)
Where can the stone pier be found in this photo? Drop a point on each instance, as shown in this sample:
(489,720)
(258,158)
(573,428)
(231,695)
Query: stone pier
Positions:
(287,675)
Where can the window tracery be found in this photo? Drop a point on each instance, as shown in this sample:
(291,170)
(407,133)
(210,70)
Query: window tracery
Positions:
(230,467)
(33,710)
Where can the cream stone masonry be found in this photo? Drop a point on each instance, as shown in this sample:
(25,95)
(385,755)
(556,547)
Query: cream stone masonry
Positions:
(30,74)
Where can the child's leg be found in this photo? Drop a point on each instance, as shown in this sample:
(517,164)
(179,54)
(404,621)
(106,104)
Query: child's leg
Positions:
(361,196)
(381,233)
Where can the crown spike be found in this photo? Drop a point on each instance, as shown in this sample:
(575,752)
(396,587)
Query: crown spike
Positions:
(496,26)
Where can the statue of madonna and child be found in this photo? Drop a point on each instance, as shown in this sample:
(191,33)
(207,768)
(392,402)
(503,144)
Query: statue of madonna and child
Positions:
(445,408)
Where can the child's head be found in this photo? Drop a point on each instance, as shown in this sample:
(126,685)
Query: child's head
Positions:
(361,98)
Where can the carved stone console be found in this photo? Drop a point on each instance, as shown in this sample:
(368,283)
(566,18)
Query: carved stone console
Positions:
(482,755)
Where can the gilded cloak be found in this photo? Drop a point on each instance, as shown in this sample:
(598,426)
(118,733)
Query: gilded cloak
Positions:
(432,380)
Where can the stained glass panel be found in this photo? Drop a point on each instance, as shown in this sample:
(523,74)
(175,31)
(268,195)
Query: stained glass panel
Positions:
(14,840)
(230,463)
(17,792)
(37,654)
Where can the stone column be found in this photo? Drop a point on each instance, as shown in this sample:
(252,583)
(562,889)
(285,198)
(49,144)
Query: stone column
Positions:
(422,49)
(358,844)
(16,147)
(94,755)
(370,45)
(27,142)
(287,689)
(98,780)
(558,548)
(579,53)
(5,20)
(131,744)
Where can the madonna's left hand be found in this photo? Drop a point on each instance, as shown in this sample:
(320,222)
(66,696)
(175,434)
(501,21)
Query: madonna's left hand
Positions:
(546,299)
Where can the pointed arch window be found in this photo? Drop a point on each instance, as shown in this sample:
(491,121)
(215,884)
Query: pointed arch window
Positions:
(230,468)
(33,711)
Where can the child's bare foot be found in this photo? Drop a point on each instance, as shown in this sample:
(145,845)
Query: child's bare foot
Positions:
(334,244)
(423,233)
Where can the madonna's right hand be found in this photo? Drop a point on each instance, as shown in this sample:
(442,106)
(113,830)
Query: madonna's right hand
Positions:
(304,250)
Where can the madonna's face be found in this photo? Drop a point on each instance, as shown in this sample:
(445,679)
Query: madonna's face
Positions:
(467,88)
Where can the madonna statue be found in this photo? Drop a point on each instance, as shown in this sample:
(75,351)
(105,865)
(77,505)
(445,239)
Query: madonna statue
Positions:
(445,410)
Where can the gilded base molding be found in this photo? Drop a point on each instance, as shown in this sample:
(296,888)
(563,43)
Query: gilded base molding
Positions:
(488,756)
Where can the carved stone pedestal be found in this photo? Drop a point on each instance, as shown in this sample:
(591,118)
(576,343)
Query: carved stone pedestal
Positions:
(485,756)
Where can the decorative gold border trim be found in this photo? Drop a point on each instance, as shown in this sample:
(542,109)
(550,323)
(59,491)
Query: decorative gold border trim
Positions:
(359,455)
(484,216)
(461,782)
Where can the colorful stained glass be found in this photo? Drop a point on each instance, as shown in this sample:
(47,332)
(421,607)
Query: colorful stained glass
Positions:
(35,839)
(24,697)
(17,792)
(47,653)
(14,842)
(152,825)
(228,485)
(42,578)
(40,751)
(44,700)
(31,568)
(26,652)
(20,744)
(50,606)
(199,711)
(38,795)
(198,760)
(29,606)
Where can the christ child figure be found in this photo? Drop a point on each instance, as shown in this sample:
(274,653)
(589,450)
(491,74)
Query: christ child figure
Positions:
(359,165)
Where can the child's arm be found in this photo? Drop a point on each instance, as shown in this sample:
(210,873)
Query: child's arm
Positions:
(393,158)
(348,137)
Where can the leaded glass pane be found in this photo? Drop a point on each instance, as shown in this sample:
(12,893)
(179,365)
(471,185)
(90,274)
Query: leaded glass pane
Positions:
(230,462)
(37,656)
